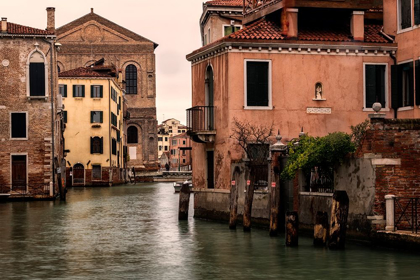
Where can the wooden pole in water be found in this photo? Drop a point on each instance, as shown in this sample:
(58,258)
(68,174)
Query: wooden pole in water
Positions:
(292,229)
(275,195)
(338,225)
(321,229)
(184,201)
(249,197)
(234,199)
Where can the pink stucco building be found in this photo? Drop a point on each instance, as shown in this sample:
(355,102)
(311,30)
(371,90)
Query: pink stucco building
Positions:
(319,65)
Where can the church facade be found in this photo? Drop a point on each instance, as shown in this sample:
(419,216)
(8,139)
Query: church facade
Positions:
(91,38)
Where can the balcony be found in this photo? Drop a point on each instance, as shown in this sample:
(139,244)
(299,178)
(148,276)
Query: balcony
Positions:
(201,125)
(254,9)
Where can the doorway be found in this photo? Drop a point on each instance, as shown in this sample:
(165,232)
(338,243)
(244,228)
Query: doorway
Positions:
(78,174)
(210,169)
(19,172)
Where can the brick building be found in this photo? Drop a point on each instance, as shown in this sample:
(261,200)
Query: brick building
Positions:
(92,37)
(30,111)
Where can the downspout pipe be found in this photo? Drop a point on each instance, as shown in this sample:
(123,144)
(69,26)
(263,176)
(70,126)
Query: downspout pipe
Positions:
(396,107)
(110,129)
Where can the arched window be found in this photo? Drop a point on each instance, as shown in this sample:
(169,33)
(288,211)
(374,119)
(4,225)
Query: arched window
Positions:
(131,79)
(132,135)
(58,69)
(96,145)
(37,74)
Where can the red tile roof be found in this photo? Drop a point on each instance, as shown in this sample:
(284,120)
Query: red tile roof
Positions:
(86,72)
(13,28)
(226,3)
(268,30)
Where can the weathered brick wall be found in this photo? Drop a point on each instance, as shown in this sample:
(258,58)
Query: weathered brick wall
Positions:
(395,140)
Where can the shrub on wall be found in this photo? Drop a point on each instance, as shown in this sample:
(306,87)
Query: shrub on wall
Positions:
(310,152)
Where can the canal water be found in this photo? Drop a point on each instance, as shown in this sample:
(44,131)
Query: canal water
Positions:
(132,232)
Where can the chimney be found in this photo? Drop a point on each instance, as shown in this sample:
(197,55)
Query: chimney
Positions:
(358,25)
(292,19)
(390,18)
(51,19)
(3,25)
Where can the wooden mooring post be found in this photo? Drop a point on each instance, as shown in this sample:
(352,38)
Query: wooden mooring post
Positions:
(292,229)
(249,197)
(184,201)
(321,229)
(338,224)
(234,199)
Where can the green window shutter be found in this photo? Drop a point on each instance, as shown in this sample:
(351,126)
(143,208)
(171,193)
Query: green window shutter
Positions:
(65,116)
(65,91)
(91,91)
(411,80)
(102,116)
(417,82)
(91,116)
(83,90)
(102,91)
(102,145)
(74,90)
(91,145)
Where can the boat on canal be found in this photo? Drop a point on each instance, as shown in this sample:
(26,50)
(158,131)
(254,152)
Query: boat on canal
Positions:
(178,185)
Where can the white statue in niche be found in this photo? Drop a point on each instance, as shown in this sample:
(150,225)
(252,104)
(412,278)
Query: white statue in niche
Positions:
(318,91)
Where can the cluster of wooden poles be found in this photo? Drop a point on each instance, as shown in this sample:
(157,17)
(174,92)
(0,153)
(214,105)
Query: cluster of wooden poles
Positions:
(326,233)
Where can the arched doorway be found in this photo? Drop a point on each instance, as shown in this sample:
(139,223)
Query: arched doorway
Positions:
(78,174)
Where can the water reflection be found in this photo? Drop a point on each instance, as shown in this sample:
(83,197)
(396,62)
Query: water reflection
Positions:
(132,232)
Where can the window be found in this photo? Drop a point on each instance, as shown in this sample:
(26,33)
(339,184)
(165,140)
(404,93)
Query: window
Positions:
(160,148)
(58,69)
(227,29)
(160,138)
(417,64)
(183,142)
(170,130)
(78,91)
(174,142)
(416,12)
(166,139)
(402,85)
(65,116)
(96,91)
(96,117)
(132,135)
(205,39)
(166,148)
(37,77)
(96,145)
(96,172)
(375,85)
(18,126)
(257,84)
(114,146)
(404,13)
(62,89)
(183,160)
(113,119)
(131,79)
(114,95)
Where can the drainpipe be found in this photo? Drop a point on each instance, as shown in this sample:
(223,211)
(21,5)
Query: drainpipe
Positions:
(396,107)
(110,128)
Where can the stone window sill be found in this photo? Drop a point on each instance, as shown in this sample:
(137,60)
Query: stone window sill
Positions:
(319,99)
(316,194)
(406,108)
(38,98)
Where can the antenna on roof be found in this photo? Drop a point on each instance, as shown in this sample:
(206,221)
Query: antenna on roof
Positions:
(91,10)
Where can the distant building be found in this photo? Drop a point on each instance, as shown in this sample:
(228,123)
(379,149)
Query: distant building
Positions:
(30,111)
(167,129)
(94,135)
(180,153)
(92,37)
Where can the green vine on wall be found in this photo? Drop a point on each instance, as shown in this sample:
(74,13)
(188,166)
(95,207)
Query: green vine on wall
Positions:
(324,152)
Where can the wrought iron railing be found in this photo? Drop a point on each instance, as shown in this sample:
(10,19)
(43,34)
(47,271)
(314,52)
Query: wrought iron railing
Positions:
(201,118)
(407,216)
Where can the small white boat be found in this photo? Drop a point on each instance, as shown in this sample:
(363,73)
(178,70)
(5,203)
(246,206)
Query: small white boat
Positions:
(178,185)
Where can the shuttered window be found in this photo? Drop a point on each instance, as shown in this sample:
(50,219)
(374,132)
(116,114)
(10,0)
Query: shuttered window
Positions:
(118,136)
(65,116)
(18,125)
(96,91)
(63,90)
(36,79)
(405,13)
(257,84)
(114,121)
(402,77)
(375,87)
(417,64)
(78,91)
(96,145)
(114,146)
(416,12)
(96,116)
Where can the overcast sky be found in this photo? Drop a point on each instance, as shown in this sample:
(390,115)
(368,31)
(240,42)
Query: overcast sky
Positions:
(174,25)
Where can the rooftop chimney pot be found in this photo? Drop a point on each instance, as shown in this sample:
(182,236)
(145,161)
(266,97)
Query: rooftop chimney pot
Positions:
(358,25)
(51,19)
(3,25)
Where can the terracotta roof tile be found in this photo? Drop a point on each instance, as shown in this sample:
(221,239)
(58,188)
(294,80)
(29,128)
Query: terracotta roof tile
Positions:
(373,34)
(228,3)
(13,28)
(85,72)
(261,29)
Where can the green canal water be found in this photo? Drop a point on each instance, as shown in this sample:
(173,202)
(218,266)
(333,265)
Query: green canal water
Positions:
(132,232)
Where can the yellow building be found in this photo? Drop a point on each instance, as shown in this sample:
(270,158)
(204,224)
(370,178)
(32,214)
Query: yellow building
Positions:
(94,134)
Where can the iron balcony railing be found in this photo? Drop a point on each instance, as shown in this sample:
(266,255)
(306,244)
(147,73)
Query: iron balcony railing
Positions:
(255,5)
(407,213)
(200,118)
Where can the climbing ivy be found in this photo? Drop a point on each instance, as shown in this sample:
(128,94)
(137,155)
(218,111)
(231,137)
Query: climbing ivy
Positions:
(324,152)
(358,132)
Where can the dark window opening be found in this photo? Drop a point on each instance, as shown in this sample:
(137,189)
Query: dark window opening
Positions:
(405,13)
(96,145)
(257,93)
(114,146)
(18,125)
(96,117)
(132,135)
(131,79)
(375,85)
(37,79)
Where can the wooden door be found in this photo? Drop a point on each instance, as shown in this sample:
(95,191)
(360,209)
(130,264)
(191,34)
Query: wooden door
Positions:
(78,174)
(19,178)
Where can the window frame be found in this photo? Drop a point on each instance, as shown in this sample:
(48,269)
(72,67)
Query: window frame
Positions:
(27,126)
(228,25)
(270,92)
(136,135)
(92,91)
(64,87)
(97,179)
(399,22)
(136,87)
(75,87)
(28,78)
(386,107)
(408,107)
